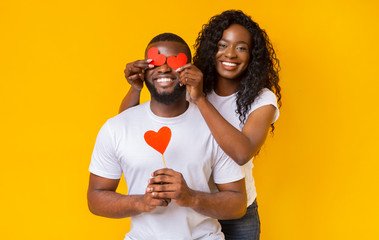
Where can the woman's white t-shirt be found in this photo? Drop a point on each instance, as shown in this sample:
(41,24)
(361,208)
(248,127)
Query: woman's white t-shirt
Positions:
(226,106)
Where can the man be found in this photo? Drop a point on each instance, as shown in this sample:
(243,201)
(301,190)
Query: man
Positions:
(164,203)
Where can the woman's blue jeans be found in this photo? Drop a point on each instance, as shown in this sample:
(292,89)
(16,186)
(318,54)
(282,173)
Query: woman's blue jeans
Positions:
(246,228)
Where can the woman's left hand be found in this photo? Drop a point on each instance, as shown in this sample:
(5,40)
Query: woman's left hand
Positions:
(192,77)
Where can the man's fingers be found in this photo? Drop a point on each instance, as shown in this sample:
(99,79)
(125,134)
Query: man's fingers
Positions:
(162,179)
(160,188)
(164,171)
(152,202)
(159,202)
(164,195)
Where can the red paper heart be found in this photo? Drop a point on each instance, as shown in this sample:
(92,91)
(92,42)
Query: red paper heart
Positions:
(158,140)
(158,59)
(178,61)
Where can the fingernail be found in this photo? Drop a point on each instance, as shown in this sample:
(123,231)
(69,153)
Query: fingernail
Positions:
(178,69)
(180,84)
(149,60)
(151,65)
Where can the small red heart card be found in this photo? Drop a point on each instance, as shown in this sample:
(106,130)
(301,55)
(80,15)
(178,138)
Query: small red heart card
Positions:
(178,61)
(158,140)
(158,59)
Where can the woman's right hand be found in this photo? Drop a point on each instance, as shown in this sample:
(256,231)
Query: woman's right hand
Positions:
(135,72)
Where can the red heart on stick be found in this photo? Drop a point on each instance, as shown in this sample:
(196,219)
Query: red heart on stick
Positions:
(158,140)
(158,59)
(178,61)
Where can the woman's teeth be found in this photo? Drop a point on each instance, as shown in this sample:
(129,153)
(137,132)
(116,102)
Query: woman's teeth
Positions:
(229,64)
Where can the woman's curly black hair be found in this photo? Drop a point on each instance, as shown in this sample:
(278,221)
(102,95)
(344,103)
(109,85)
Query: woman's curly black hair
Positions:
(262,71)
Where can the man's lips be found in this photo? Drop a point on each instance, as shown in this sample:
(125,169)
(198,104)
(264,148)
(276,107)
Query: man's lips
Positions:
(161,80)
(164,81)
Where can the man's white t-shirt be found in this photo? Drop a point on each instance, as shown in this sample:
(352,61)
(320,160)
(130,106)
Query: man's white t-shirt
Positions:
(121,148)
(226,106)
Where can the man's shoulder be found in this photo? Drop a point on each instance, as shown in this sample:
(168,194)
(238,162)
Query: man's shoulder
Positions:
(136,108)
(132,110)
(194,115)
(129,115)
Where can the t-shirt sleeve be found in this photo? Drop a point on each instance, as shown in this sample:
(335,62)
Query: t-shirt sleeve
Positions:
(266,97)
(104,161)
(225,170)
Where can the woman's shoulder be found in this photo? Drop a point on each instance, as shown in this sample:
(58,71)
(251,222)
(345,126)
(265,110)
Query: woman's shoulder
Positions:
(266,93)
(265,97)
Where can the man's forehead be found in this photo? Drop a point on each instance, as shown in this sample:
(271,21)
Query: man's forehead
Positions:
(169,48)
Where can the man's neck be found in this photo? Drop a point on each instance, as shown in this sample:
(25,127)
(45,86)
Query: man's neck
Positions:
(169,110)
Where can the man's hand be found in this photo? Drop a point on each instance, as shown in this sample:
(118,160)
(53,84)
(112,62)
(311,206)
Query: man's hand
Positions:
(151,202)
(135,72)
(169,184)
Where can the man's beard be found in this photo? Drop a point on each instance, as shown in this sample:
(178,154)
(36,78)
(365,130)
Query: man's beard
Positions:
(165,98)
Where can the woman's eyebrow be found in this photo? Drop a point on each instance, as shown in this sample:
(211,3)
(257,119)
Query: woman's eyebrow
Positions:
(239,42)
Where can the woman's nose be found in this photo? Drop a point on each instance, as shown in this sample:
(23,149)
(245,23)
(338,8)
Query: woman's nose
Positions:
(230,52)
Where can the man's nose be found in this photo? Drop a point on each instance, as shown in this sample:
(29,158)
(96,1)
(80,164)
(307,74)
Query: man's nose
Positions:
(164,68)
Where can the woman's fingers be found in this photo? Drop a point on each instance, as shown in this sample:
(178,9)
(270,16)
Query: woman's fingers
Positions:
(138,66)
(188,65)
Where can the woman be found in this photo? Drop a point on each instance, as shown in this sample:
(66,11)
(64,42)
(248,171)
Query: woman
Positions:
(234,82)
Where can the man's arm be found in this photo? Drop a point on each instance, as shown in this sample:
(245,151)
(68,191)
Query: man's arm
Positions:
(229,203)
(104,201)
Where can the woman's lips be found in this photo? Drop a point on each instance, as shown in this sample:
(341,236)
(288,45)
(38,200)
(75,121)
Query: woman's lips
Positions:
(229,65)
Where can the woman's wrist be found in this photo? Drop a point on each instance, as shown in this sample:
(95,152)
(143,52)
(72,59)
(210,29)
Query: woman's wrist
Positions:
(136,88)
(200,100)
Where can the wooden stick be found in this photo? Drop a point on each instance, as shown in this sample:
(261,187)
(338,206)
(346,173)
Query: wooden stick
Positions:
(164,162)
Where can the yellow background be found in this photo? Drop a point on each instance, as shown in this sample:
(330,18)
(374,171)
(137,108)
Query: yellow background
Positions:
(61,77)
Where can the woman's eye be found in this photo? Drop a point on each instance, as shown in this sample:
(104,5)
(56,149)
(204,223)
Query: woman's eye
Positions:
(242,48)
(222,45)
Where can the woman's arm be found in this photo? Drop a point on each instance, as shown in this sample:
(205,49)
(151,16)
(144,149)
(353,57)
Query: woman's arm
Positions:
(131,99)
(241,146)
(134,74)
